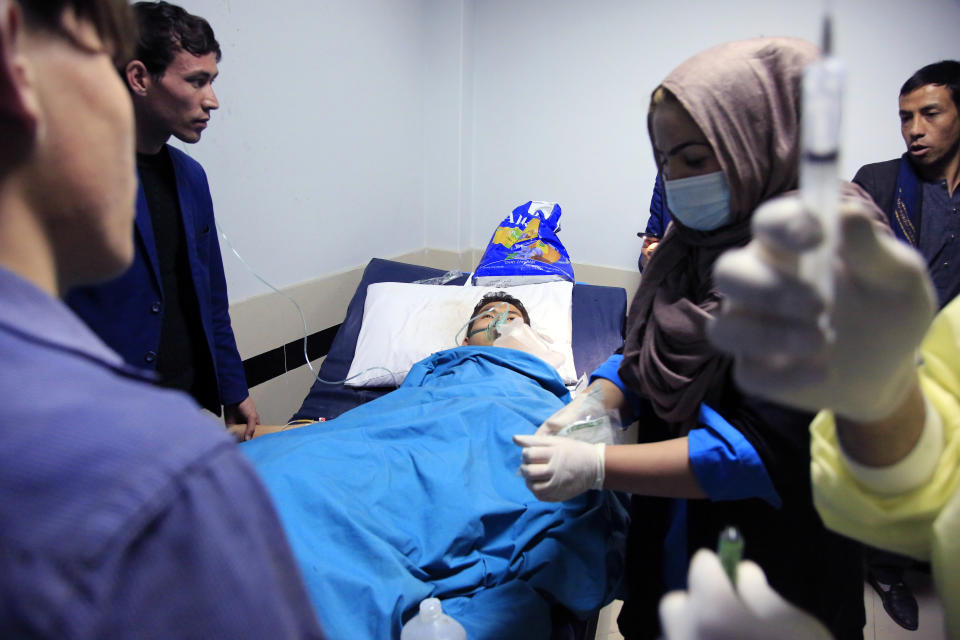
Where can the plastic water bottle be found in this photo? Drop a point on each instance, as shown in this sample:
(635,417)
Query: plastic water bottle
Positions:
(432,624)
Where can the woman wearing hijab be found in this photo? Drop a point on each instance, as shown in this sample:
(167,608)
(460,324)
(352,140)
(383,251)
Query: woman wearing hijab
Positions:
(725,132)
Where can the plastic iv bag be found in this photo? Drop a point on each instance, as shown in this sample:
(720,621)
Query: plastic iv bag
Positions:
(594,422)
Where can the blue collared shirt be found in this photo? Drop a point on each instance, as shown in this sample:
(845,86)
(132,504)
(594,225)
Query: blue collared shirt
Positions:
(939,231)
(125,513)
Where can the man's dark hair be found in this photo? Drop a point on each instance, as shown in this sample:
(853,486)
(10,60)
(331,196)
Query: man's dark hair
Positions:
(165,30)
(497,296)
(945,73)
(112,20)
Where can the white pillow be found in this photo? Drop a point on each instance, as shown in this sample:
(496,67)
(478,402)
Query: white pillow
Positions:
(404,323)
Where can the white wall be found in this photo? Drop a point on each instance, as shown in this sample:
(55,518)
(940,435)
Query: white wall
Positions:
(315,158)
(562,88)
(359,128)
(448,114)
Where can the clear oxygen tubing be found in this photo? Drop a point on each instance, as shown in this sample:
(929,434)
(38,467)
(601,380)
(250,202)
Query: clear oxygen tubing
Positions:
(306,357)
(823,82)
(492,330)
(444,279)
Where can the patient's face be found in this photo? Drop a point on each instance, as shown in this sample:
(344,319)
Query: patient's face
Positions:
(488,314)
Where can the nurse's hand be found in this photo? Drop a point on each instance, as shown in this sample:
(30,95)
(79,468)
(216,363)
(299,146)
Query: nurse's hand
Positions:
(769,320)
(712,610)
(557,469)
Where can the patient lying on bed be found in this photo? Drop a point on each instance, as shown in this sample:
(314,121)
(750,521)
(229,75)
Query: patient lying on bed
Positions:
(500,320)
(415,495)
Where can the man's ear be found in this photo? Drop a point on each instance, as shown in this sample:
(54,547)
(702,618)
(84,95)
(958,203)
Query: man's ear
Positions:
(18,117)
(138,78)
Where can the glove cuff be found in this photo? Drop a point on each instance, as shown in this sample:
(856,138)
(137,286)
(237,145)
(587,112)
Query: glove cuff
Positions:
(601,466)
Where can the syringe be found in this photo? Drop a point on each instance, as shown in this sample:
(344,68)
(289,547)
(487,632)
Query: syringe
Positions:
(819,171)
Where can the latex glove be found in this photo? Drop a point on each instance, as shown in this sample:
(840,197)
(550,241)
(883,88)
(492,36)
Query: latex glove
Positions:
(244,413)
(712,610)
(557,469)
(769,320)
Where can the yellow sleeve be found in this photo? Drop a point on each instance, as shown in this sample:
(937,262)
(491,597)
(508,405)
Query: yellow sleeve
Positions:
(851,503)
(923,519)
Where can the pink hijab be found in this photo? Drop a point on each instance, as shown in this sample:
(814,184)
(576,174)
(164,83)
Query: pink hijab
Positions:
(745,97)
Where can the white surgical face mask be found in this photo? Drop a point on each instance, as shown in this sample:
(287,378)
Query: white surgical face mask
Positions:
(700,202)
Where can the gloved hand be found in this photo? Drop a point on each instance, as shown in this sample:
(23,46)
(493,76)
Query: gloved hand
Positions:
(712,610)
(557,469)
(883,303)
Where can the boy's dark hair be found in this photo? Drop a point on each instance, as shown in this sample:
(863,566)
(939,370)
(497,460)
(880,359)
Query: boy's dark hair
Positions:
(945,73)
(166,29)
(112,20)
(497,296)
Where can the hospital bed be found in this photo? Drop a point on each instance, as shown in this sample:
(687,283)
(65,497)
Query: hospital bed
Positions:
(414,494)
(598,312)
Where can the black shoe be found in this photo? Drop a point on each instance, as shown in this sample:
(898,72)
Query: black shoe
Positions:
(898,602)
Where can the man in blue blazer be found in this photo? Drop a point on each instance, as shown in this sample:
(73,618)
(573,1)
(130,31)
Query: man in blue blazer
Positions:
(169,311)
(920,193)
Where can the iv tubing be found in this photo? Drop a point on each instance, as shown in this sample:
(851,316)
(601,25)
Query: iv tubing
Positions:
(306,357)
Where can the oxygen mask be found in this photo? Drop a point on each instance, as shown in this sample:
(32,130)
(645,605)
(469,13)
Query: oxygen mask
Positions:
(492,331)
(516,334)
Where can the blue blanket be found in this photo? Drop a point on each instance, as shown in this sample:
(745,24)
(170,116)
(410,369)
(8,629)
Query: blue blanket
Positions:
(415,495)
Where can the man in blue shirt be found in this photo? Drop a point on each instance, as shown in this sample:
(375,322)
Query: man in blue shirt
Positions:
(920,195)
(169,311)
(125,513)
(919,191)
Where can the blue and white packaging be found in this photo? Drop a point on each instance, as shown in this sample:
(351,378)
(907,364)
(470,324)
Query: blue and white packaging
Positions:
(525,249)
